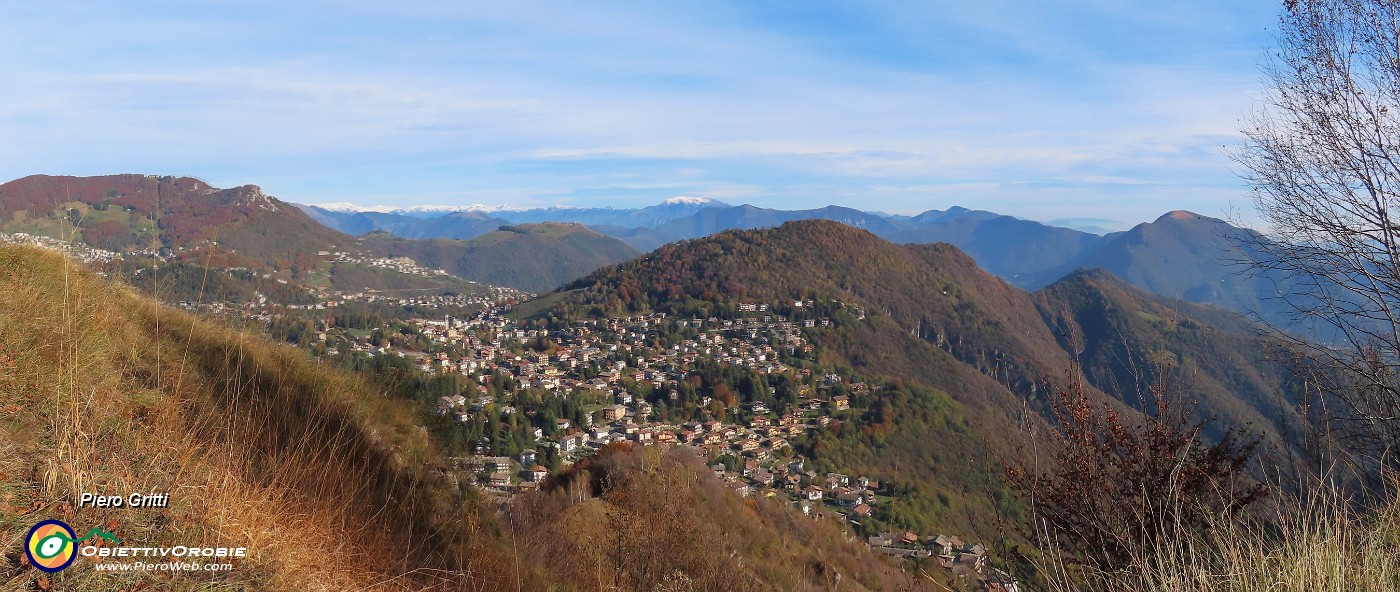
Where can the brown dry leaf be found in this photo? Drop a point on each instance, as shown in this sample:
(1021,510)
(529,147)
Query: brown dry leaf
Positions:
(112,525)
(24,561)
(65,510)
(38,506)
(44,583)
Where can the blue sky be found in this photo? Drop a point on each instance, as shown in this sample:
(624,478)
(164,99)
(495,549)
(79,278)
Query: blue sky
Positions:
(1104,109)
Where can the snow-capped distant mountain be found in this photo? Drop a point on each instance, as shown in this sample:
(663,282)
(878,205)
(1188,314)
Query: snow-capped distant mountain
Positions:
(689,200)
(465,221)
(416,211)
(344,206)
(650,216)
(681,204)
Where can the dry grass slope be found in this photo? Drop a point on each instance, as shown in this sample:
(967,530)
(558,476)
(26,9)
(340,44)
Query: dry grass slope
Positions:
(330,486)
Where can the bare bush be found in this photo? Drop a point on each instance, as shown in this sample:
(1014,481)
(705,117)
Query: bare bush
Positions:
(1119,487)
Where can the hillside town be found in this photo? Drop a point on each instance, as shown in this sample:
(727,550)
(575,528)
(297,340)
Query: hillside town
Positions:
(77,250)
(399,264)
(630,373)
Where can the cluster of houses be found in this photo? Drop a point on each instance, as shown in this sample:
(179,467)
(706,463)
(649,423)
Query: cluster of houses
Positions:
(490,342)
(602,356)
(258,308)
(502,473)
(759,443)
(73,249)
(966,561)
(399,264)
(851,497)
(488,298)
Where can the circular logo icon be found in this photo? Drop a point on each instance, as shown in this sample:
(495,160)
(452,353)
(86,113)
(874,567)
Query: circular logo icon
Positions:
(50,546)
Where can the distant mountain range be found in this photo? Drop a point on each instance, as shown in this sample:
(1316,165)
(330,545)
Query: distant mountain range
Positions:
(981,233)
(1182,254)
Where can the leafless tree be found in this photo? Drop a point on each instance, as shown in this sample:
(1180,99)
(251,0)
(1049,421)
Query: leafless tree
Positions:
(1323,161)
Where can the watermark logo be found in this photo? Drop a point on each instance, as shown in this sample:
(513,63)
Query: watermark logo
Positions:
(52,545)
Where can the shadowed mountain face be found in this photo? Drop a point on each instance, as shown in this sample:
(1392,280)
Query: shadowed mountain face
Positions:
(1008,247)
(531,257)
(1195,258)
(649,216)
(459,225)
(1124,336)
(1181,254)
(471,223)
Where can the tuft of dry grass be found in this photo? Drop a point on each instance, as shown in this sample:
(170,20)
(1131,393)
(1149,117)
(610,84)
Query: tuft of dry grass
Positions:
(1320,542)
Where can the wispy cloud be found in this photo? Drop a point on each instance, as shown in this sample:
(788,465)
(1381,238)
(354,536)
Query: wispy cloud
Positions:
(1067,110)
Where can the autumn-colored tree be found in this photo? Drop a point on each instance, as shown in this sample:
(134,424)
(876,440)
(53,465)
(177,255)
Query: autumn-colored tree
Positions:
(726,397)
(1122,487)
